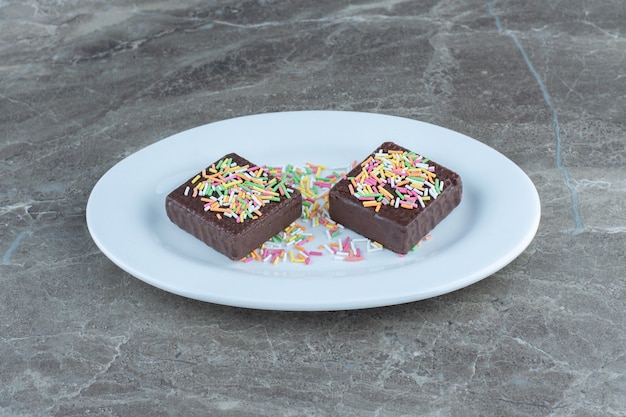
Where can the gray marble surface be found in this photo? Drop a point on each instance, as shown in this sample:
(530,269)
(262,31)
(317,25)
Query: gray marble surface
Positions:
(85,83)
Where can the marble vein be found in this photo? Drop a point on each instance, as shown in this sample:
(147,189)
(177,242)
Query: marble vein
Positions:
(579,226)
(6,257)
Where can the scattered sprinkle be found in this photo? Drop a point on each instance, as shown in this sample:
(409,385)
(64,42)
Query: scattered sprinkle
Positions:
(237,192)
(399,179)
(314,181)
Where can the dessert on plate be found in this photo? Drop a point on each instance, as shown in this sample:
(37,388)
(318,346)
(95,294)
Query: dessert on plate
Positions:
(395,197)
(234,206)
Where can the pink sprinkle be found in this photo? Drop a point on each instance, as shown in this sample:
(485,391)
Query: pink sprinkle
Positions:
(315,253)
(353,258)
(321,184)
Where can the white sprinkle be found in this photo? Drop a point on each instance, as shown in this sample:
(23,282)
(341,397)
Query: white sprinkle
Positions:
(373,248)
(187,191)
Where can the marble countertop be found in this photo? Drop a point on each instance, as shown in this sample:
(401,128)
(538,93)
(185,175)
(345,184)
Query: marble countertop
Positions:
(85,83)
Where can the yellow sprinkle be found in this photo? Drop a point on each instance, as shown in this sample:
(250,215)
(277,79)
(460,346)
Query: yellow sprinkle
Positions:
(195,179)
(232,183)
(386,193)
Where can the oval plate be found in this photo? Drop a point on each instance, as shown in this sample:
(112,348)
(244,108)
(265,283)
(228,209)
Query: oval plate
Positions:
(491,227)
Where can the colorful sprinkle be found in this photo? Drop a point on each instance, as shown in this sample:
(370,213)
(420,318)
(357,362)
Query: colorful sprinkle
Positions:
(237,192)
(395,178)
(380,183)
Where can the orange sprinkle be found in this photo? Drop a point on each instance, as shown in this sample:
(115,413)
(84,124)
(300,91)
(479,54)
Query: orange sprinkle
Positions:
(367,161)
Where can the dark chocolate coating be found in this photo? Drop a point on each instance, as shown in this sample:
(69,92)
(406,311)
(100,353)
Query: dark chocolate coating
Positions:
(397,229)
(235,240)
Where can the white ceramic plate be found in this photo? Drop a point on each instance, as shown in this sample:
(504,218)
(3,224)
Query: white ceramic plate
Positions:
(496,220)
